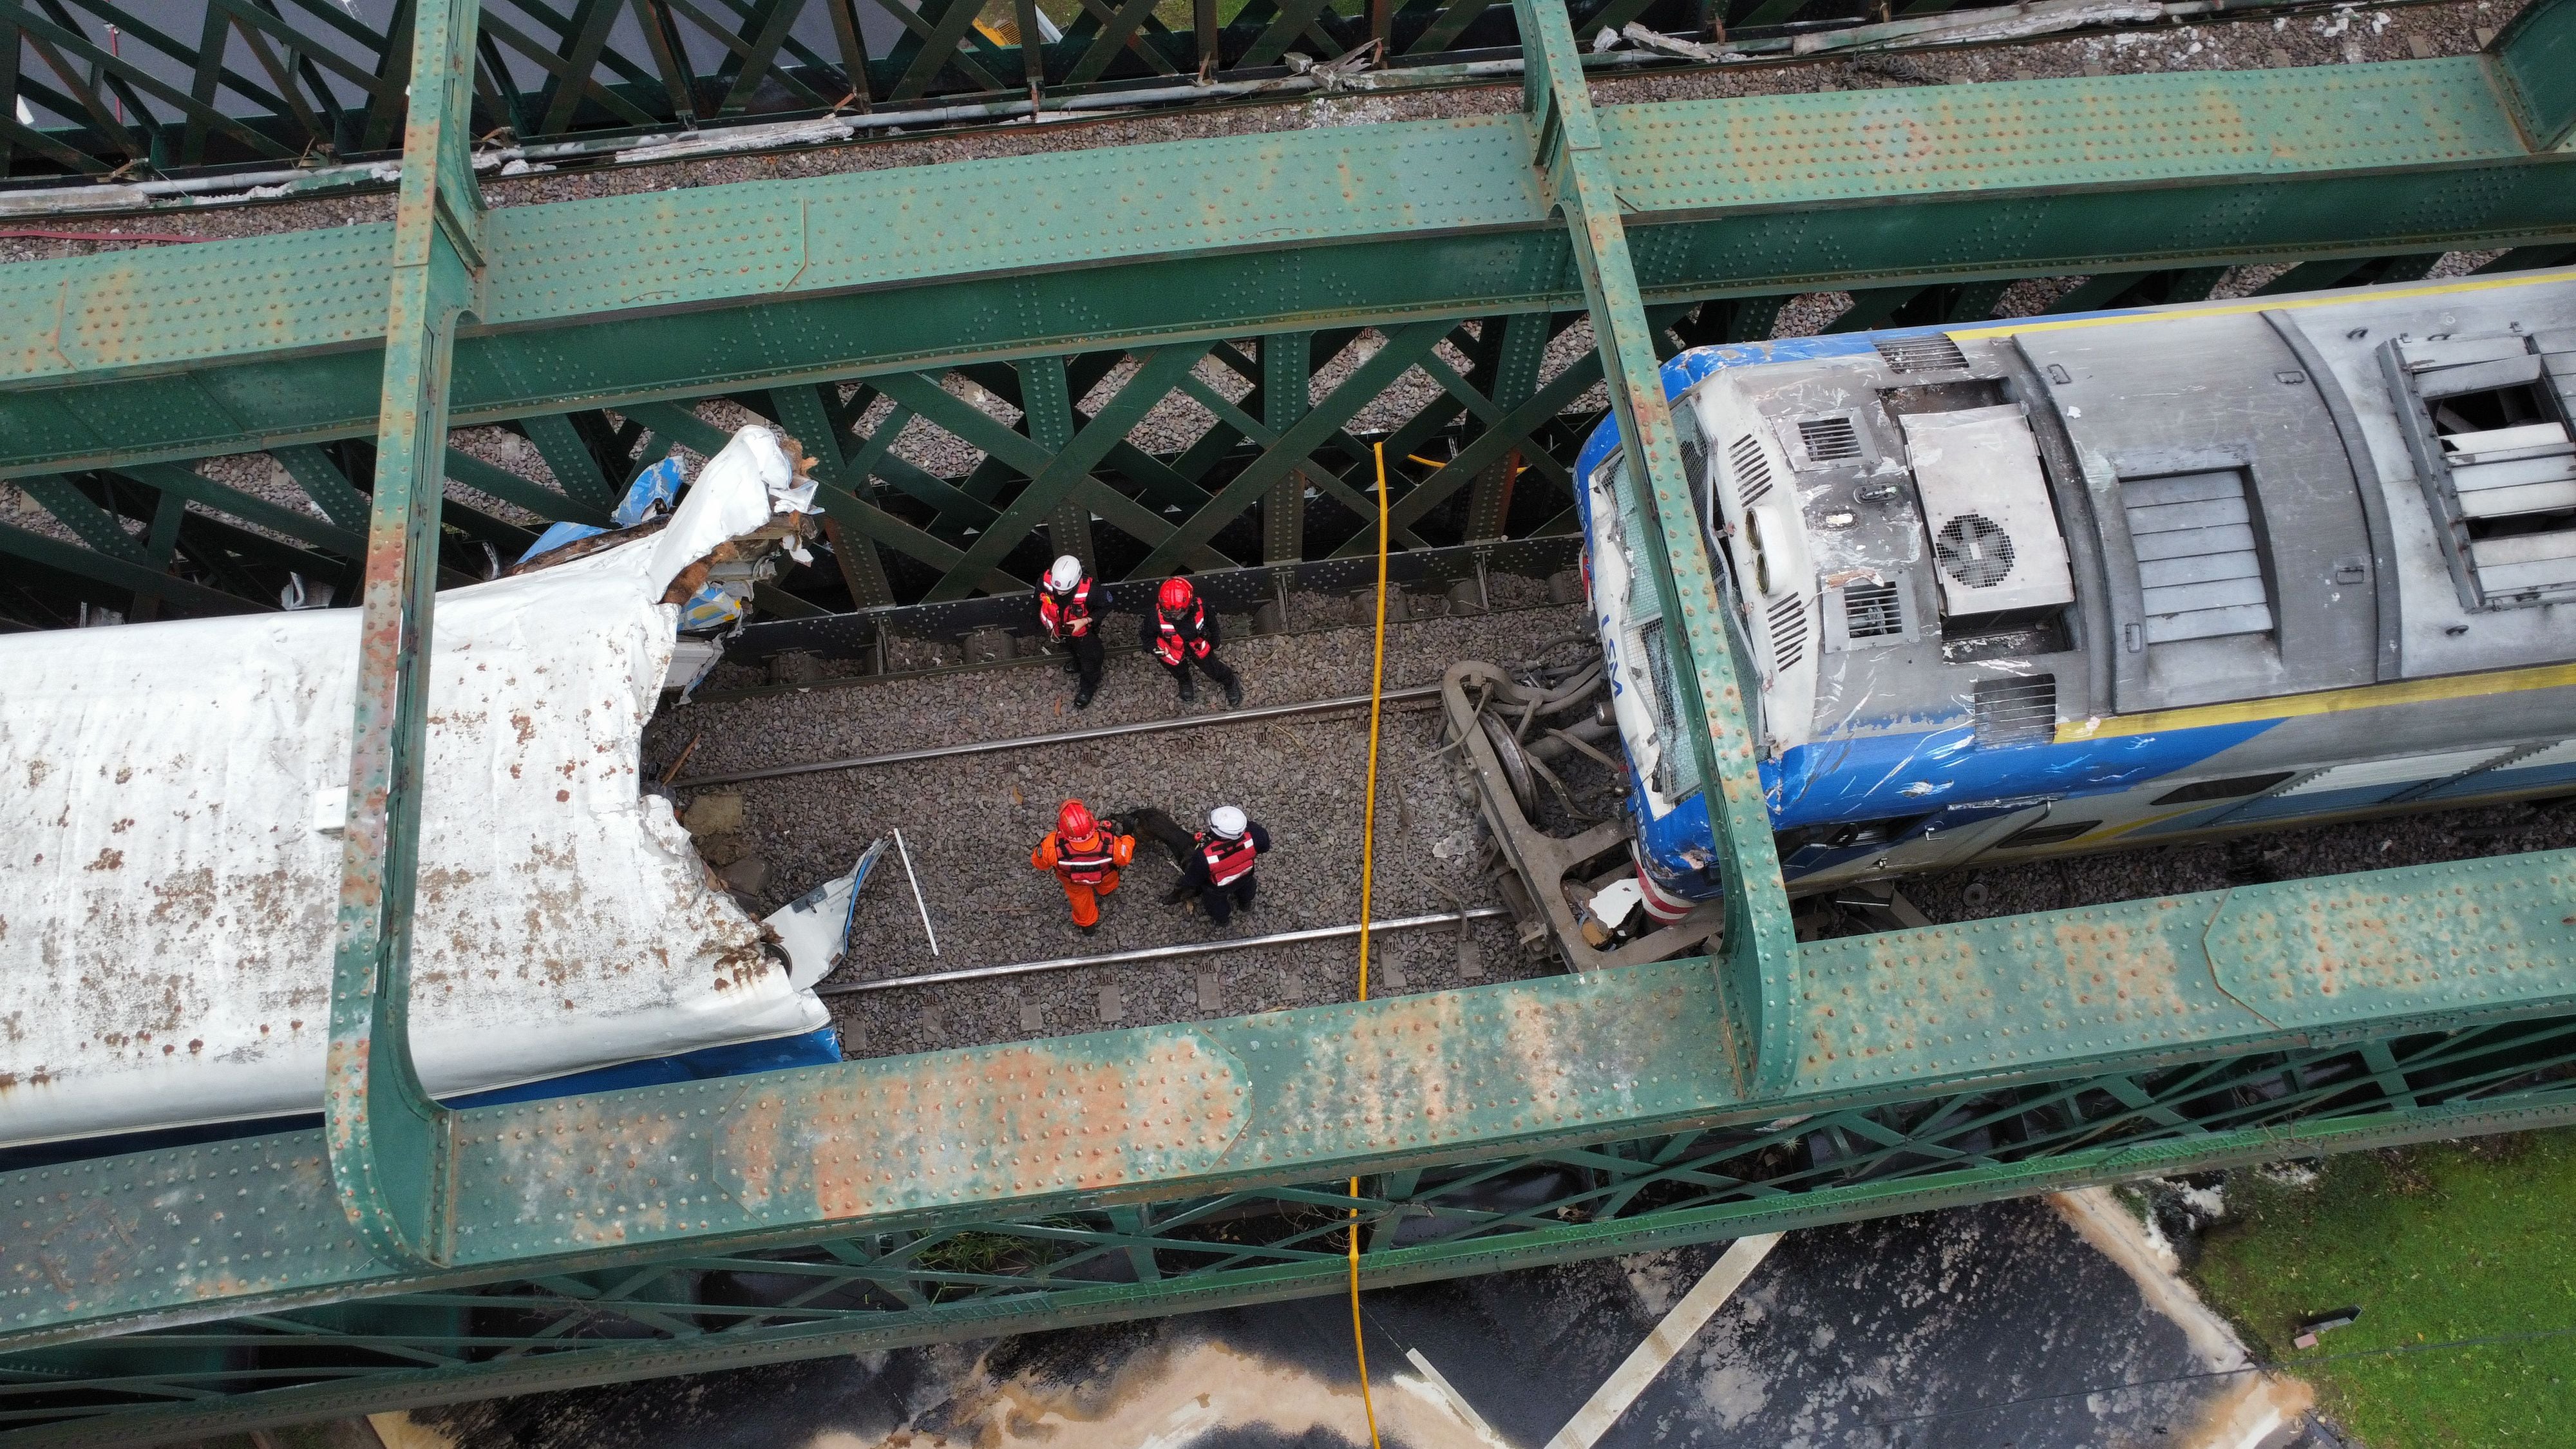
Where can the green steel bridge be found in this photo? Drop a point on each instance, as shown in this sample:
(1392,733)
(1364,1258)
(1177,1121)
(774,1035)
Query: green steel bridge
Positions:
(407,1254)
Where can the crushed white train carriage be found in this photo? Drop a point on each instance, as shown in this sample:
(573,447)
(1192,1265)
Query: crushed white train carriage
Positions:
(173,858)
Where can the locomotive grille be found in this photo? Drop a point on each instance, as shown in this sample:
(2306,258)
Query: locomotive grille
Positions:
(2200,574)
(1659,669)
(1829,440)
(1872,611)
(2016,711)
(1788,633)
(1752,471)
(1936,353)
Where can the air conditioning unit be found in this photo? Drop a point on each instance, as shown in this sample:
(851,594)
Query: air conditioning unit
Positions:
(1995,540)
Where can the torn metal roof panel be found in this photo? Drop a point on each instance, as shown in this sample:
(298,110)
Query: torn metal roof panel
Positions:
(175,864)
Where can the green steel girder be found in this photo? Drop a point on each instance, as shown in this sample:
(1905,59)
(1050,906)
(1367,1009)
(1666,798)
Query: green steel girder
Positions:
(320,80)
(207,349)
(1580,181)
(2535,62)
(1406,1081)
(1931,1067)
(388,1144)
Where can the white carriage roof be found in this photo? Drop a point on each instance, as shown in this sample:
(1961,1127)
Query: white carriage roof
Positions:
(167,909)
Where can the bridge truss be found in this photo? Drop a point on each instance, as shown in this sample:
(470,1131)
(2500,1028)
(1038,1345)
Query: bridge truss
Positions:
(405,1253)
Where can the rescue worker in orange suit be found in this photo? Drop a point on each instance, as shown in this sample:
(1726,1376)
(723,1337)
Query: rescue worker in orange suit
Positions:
(1220,868)
(1086,856)
(1183,635)
(1070,603)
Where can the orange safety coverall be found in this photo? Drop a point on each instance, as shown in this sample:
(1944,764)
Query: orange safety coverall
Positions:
(1085,895)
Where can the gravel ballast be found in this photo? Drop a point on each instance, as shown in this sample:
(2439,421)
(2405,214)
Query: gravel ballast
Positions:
(971,821)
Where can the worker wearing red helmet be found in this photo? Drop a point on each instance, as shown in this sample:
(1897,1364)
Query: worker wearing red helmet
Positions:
(1183,635)
(1086,855)
(1221,861)
(1070,603)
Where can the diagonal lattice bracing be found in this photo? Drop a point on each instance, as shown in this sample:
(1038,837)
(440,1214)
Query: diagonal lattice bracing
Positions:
(1481,430)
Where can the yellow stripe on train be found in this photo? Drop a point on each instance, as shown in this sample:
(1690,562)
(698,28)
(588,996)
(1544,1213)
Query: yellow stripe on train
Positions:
(2327,701)
(2261,304)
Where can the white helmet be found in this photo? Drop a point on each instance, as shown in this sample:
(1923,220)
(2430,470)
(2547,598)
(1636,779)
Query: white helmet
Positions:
(1228,821)
(1064,573)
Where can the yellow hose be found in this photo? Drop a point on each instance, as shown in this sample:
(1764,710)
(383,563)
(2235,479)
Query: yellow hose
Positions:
(1368,874)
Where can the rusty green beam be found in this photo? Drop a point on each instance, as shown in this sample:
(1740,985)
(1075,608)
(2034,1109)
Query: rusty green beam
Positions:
(2535,65)
(388,1144)
(238,345)
(1583,186)
(1025,1129)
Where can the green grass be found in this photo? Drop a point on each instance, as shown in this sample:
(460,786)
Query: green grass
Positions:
(2437,1243)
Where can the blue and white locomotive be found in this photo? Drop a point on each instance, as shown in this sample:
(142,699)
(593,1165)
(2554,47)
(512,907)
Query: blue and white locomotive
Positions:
(2072,583)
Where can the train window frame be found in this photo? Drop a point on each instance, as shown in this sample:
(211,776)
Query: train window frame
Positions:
(2233,787)
(1849,834)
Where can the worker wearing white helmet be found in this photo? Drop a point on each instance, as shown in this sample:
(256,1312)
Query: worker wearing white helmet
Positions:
(1220,868)
(1070,603)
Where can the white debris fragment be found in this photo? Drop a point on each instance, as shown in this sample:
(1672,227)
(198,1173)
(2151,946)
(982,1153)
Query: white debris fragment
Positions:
(2296,1176)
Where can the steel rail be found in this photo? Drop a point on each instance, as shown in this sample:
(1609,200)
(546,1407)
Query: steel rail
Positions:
(1162,953)
(1069,737)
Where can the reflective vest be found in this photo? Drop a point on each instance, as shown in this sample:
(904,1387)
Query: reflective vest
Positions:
(1066,615)
(1227,861)
(1169,641)
(1085,864)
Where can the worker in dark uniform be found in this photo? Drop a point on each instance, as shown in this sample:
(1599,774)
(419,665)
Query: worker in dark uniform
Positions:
(1183,634)
(1086,856)
(1220,869)
(1070,604)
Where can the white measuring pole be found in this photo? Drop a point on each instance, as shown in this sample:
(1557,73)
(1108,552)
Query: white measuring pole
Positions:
(918,903)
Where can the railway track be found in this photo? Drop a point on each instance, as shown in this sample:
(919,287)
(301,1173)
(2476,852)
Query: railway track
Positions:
(979,761)
(1012,967)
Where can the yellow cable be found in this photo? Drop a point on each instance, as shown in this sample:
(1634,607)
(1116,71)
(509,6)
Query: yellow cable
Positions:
(1368,873)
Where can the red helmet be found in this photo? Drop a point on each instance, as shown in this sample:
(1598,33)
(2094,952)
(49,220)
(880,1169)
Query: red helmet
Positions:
(1175,596)
(1074,821)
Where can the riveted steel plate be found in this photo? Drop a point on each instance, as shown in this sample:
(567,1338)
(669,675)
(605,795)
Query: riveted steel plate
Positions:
(171,1229)
(1535,1058)
(128,310)
(1847,146)
(2474,936)
(886,1136)
(908,224)
(676,294)
(1987,997)
(1052,1117)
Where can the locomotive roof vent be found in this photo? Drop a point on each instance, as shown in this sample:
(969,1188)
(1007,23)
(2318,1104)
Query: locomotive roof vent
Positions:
(1985,501)
(2016,710)
(1752,471)
(1833,439)
(2490,431)
(1935,353)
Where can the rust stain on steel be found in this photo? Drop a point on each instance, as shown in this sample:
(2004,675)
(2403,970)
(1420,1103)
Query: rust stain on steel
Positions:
(996,1123)
(85,1240)
(1417,1072)
(1959,996)
(1038,1119)
(2308,956)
